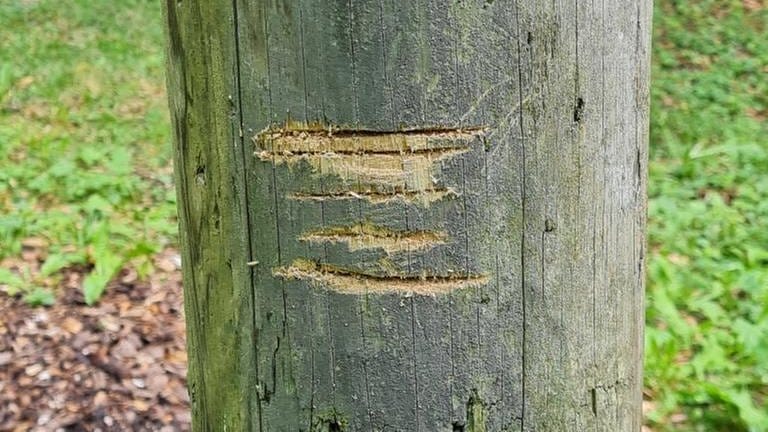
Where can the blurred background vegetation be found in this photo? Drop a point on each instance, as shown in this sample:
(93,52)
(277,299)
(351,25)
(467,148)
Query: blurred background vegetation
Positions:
(84,141)
(85,172)
(707,302)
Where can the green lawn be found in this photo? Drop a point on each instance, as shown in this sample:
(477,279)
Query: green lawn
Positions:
(707,336)
(84,148)
(85,180)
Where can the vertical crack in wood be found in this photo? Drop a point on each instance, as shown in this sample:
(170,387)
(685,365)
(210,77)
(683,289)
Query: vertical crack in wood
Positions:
(414,364)
(306,116)
(276,201)
(523,213)
(356,108)
(385,63)
(241,163)
(422,94)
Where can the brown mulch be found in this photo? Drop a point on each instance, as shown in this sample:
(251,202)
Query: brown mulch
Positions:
(119,365)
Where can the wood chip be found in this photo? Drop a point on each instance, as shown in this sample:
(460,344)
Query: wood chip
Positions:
(114,366)
(72,325)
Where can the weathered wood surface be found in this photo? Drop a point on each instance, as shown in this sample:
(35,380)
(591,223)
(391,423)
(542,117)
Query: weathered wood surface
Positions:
(412,215)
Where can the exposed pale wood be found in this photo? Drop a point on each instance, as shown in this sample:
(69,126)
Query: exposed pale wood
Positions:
(412,215)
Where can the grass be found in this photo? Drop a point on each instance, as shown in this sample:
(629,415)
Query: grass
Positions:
(707,335)
(85,181)
(85,177)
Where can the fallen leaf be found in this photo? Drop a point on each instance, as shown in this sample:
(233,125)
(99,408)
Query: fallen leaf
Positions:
(72,325)
(33,369)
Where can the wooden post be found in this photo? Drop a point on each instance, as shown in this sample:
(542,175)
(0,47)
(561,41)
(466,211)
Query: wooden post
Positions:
(412,215)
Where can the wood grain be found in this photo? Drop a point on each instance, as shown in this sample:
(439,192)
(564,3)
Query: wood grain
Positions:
(412,216)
